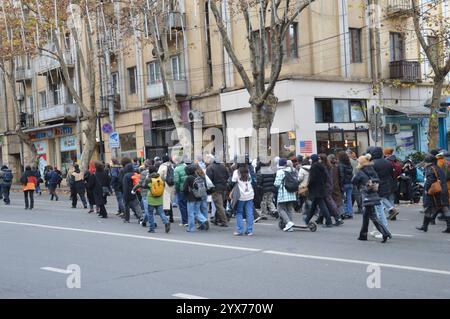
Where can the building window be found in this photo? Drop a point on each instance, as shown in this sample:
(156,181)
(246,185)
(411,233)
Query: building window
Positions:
(396,46)
(177,68)
(132,80)
(115,82)
(355,42)
(290,44)
(154,73)
(128,145)
(340,111)
(43,99)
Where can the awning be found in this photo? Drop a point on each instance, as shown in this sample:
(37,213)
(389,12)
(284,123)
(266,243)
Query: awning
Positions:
(417,111)
(445,101)
(43,128)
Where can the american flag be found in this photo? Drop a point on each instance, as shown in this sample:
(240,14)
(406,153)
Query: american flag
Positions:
(306,147)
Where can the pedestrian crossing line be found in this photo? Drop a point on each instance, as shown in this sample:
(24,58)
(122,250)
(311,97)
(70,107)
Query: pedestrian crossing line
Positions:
(361,262)
(186,296)
(61,271)
(402,235)
(269,252)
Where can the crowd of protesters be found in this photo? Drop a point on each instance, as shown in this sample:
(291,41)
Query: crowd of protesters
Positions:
(206,191)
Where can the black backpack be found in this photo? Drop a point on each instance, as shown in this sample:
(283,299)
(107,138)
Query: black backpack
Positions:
(7,177)
(199,189)
(291,182)
(170,176)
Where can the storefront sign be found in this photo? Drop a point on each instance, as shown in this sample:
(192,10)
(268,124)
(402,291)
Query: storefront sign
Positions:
(41,148)
(68,143)
(58,131)
(65,130)
(114,140)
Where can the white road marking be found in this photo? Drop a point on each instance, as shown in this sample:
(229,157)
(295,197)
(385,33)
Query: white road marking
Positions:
(343,260)
(61,271)
(361,262)
(186,296)
(402,235)
(134,236)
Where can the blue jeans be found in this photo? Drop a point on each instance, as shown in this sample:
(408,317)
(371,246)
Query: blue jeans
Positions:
(146,208)
(182,205)
(379,210)
(120,203)
(248,207)
(194,212)
(387,203)
(204,207)
(151,218)
(348,189)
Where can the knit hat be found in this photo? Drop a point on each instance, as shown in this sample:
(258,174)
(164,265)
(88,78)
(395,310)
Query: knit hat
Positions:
(282,162)
(314,158)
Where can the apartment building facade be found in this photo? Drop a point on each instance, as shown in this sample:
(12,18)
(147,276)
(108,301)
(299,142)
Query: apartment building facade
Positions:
(327,100)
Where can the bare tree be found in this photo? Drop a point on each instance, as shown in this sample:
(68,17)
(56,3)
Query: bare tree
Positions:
(274,18)
(433,31)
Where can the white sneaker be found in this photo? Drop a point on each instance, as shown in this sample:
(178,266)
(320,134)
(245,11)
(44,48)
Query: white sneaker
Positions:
(375,233)
(289,225)
(290,229)
(257,219)
(378,236)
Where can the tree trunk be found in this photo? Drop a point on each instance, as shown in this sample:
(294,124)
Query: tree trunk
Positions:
(263,116)
(90,132)
(433,124)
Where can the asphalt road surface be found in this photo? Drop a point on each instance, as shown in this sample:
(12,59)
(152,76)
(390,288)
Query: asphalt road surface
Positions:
(117,260)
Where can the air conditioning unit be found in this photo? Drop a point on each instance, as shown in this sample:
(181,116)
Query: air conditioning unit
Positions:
(392,128)
(195,116)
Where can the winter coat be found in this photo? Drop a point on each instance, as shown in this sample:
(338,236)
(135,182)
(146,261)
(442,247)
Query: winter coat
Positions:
(127,183)
(317,181)
(218,174)
(360,181)
(179,175)
(283,195)
(265,180)
(345,175)
(189,183)
(95,184)
(329,182)
(29,181)
(437,200)
(78,182)
(336,193)
(4,172)
(115,178)
(53,178)
(384,171)
(167,197)
(303,175)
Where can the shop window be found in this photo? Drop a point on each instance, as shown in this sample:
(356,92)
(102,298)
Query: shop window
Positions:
(340,111)
(128,145)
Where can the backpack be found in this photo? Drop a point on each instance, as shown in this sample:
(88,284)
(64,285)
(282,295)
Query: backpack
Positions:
(199,188)
(157,187)
(291,182)
(7,177)
(372,184)
(397,169)
(170,176)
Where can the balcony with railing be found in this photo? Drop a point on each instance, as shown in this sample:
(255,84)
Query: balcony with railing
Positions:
(27,120)
(47,62)
(405,71)
(156,90)
(105,103)
(23,73)
(399,8)
(175,20)
(59,112)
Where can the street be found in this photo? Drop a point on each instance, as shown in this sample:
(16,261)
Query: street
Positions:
(118,260)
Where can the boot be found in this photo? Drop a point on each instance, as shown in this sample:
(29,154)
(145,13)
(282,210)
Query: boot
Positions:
(362,236)
(424,227)
(448,226)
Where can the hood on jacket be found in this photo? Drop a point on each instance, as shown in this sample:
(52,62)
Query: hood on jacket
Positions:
(129,168)
(4,168)
(376,152)
(190,170)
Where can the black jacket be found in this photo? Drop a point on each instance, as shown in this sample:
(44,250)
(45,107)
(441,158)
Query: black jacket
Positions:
(384,171)
(345,174)
(318,177)
(127,183)
(95,183)
(360,181)
(437,200)
(265,179)
(189,183)
(116,183)
(218,174)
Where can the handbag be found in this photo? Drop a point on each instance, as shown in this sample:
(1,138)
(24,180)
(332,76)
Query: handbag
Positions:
(436,187)
(235,195)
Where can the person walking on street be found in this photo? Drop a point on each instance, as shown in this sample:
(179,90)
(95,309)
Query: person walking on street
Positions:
(6,179)
(316,189)
(53,180)
(265,180)
(131,201)
(38,175)
(243,181)
(166,171)
(218,174)
(336,193)
(287,196)
(435,195)
(28,181)
(99,183)
(180,178)
(77,186)
(367,181)
(345,182)
(152,187)
(194,192)
(303,178)
(116,185)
